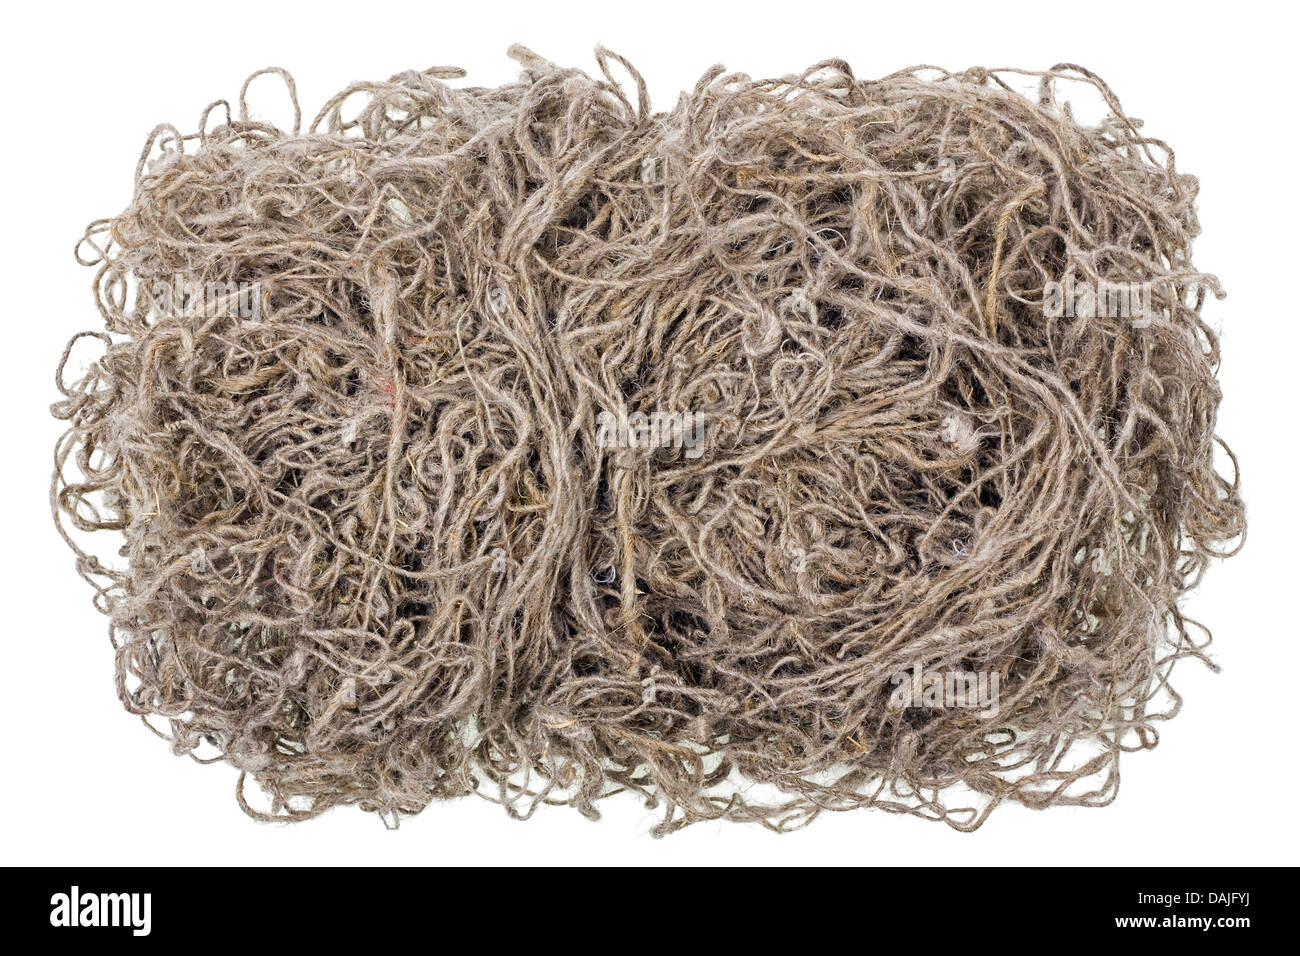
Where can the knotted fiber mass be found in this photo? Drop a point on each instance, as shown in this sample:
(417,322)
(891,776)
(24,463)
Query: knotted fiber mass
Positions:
(929,393)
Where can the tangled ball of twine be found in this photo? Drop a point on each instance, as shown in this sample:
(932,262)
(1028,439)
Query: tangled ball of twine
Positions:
(874,416)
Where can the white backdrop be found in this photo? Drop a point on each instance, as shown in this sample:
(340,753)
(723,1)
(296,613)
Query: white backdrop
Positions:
(84,783)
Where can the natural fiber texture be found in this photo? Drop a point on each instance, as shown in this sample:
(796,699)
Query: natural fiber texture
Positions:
(375,553)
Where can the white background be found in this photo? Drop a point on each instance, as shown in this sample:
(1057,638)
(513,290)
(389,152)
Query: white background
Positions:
(84,783)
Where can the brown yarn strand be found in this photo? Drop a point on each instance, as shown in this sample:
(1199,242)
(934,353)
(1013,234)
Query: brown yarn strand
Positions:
(377,554)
